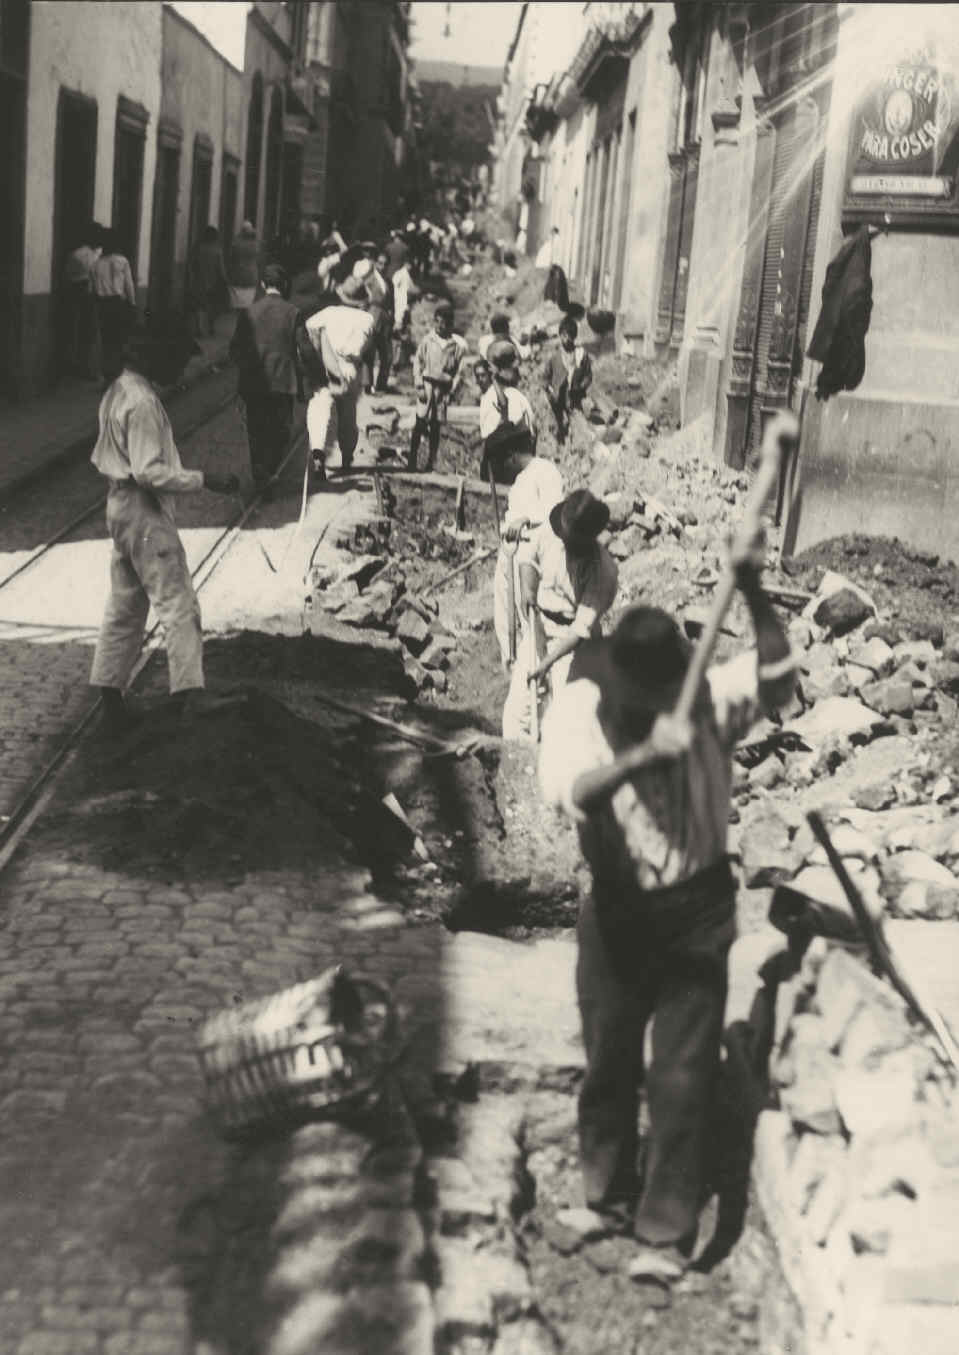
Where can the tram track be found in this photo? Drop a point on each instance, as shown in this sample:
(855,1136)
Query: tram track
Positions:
(31,803)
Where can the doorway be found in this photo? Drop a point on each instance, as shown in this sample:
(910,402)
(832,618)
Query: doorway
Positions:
(165,192)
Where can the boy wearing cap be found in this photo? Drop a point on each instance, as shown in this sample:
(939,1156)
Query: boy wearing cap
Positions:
(567,375)
(570,580)
(435,365)
(655,933)
(342,336)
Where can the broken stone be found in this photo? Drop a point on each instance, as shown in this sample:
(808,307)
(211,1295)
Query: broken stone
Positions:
(361,569)
(874,795)
(415,671)
(338,597)
(875,1030)
(840,605)
(945,674)
(585,1223)
(930,631)
(836,715)
(766,855)
(627,543)
(890,697)
(620,508)
(935,902)
(848,842)
(435,655)
(368,610)
(412,631)
(845,986)
(767,774)
(880,1100)
(858,676)
(809,1101)
(876,655)
(438,680)
(903,867)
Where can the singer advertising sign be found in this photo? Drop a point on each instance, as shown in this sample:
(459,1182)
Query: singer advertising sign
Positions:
(904,148)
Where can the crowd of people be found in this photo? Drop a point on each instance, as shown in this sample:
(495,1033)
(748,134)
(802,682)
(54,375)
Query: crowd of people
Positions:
(649,791)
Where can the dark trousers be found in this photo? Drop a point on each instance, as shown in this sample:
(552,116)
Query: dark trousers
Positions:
(116,317)
(269,422)
(81,337)
(657,955)
(430,425)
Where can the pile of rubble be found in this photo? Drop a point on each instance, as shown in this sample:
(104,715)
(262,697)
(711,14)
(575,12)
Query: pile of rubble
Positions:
(858,1172)
(370,592)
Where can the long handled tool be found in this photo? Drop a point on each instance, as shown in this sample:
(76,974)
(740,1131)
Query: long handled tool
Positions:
(781,433)
(882,953)
(533,681)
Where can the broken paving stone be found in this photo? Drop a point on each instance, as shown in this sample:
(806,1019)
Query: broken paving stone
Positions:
(562,1240)
(338,597)
(938,903)
(415,671)
(836,716)
(840,604)
(945,675)
(876,655)
(585,1223)
(809,1100)
(767,775)
(890,697)
(902,867)
(412,631)
(435,655)
(767,858)
(438,680)
(369,610)
(881,1100)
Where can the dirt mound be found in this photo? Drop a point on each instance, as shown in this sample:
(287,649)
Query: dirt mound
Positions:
(250,787)
(916,588)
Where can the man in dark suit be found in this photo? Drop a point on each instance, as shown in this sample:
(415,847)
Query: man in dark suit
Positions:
(268,347)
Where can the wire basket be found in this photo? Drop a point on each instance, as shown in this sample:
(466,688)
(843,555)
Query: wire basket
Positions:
(318,1049)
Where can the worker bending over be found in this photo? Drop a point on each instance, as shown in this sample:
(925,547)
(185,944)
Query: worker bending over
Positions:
(342,336)
(569,580)
(136,454)
(655,934)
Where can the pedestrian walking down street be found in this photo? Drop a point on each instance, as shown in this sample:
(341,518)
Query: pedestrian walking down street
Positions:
(208,291)
(81,332)
(342,337)
(137,455)
(381,306)
(567,376)
(436,363)
(397,252)
(536,486)
(116,303)
(402,282)
(268,347)
(569,581)
(244,272)
(655,934)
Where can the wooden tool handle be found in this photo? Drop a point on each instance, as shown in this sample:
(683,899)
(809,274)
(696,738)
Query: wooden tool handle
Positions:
(781,431)
(533,683)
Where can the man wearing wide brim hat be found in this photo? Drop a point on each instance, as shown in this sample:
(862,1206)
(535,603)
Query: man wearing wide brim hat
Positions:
(342,335)
(655,934)
(569,580)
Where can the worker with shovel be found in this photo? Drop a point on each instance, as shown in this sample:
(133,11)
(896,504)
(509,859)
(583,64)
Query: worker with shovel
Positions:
(637,750)
(343,337)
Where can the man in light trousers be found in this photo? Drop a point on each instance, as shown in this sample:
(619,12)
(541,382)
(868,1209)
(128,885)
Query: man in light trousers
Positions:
(137,455)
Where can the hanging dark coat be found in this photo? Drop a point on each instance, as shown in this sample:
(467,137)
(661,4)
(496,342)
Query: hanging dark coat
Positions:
(838,341)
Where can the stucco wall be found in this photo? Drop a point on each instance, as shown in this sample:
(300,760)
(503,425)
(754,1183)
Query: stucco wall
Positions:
(101,51)
(261,55)
(885,457)
(651,81)
(202,94)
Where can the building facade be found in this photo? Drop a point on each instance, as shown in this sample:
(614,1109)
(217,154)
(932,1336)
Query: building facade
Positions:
(199,155)
(91,146)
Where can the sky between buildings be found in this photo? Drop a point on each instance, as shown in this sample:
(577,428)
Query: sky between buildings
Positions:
(479,33)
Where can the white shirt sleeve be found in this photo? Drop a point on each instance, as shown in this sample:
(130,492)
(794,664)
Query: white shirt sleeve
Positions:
(572,744)
(154,460)
(734,690)
(488,413)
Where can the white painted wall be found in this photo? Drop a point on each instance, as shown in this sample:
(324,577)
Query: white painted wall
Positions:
(101,50)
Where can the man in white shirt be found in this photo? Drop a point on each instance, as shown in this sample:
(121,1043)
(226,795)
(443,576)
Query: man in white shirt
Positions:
(343,338)
(569,581)
(137,455)
(536,486)
(650,797)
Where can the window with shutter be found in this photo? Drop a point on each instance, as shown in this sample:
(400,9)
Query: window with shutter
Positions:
(690,184)
(677,175)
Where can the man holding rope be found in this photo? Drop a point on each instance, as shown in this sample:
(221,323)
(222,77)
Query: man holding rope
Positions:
(649,791)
